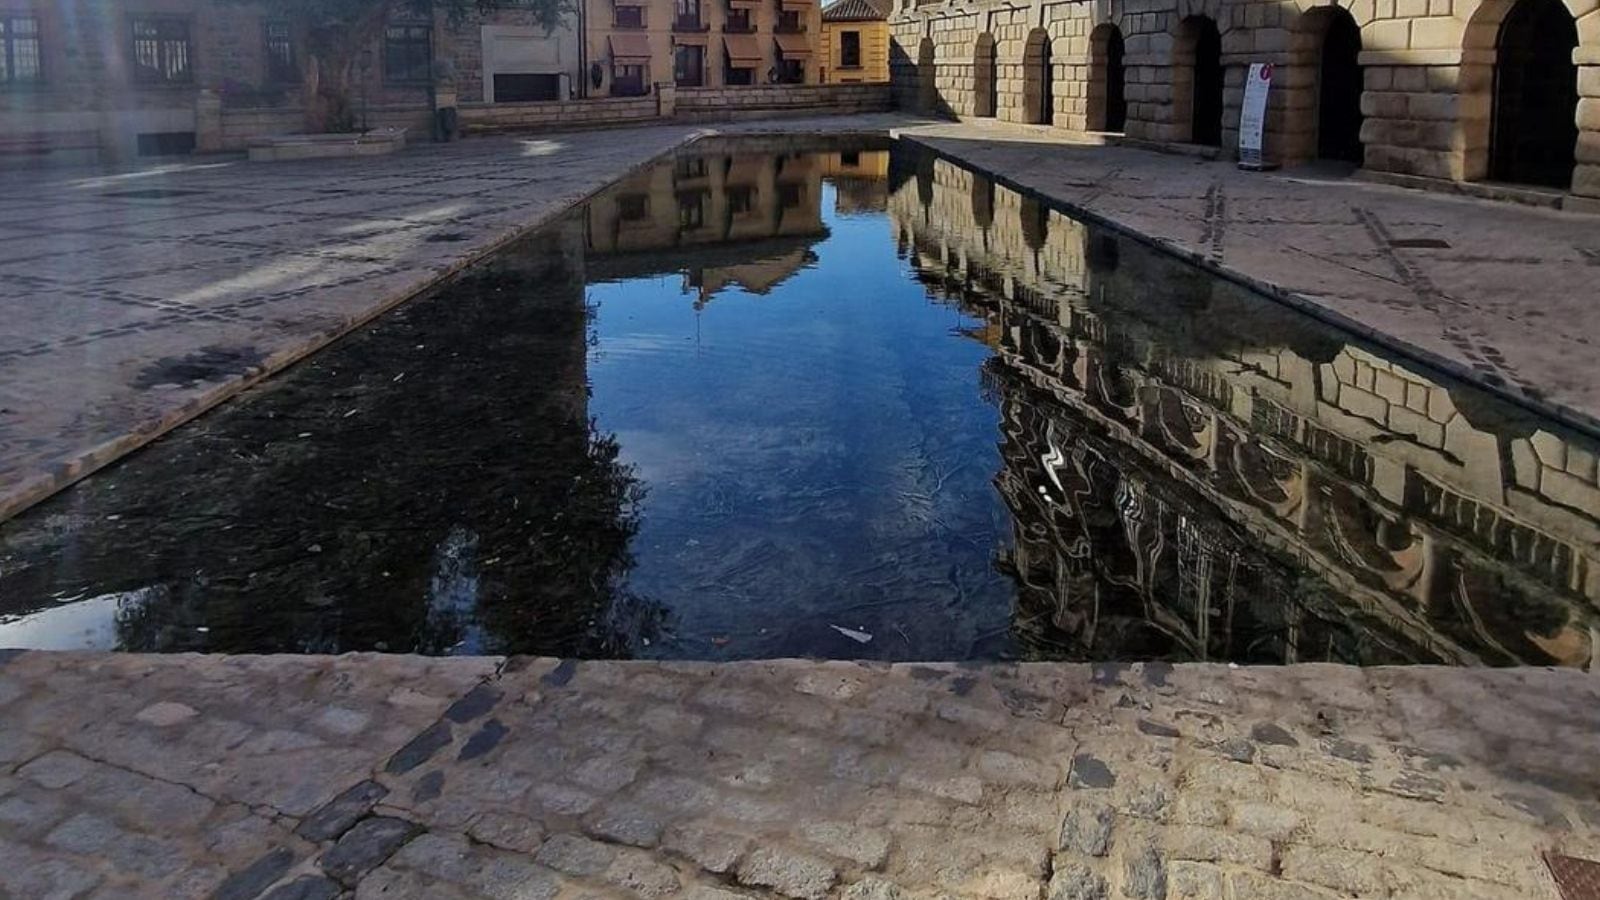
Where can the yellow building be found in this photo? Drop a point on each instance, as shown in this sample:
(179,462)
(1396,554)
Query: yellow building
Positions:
(634,45)
(855,41)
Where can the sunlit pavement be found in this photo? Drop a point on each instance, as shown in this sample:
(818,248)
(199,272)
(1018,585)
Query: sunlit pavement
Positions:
(182,776)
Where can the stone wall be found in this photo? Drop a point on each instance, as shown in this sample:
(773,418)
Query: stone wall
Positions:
(1428,69)
(481,117)
(701,103)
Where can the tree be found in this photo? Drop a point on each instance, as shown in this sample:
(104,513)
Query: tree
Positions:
(335,32)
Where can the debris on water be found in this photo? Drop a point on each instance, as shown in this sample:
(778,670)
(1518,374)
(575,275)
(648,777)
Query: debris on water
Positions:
(349,414)
(720,641)
(305,434)
(314,548)
(397,378)
(860,637)
(202,629)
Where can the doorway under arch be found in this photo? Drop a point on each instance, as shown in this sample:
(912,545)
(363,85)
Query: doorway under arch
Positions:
(1534,133)
(1197,82)
(1038,104)
(1339,83)
(1108,99)
(985,77)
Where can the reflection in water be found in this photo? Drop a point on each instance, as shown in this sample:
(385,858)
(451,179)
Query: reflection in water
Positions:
(763,395)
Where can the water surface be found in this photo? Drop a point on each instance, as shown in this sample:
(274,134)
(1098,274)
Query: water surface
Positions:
(846,401)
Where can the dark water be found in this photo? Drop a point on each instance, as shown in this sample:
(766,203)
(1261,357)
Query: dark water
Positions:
(765,401)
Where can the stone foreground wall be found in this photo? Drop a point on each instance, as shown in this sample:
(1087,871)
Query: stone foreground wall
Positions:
(288,776)
(1428,68)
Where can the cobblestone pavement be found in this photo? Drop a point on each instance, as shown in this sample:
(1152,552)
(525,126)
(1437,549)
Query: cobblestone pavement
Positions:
(132,301)
(316,777)
(1495,291)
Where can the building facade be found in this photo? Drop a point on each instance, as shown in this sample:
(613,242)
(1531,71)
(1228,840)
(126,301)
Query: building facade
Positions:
(1460,90)
(855,41)
(634,45)
(127,78)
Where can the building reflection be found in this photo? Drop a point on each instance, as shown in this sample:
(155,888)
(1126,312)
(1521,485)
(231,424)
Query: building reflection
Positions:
(1196,472)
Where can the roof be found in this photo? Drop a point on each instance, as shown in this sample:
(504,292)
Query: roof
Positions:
(856,11)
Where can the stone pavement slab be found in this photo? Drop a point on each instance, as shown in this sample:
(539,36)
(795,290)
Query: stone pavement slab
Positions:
(1494,292)
(135,776)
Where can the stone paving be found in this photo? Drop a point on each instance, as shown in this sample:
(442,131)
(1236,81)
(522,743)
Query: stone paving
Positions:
(1493,291)
(317,777)
(132,301)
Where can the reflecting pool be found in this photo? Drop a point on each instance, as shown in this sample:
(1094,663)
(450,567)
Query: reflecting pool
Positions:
(837,400)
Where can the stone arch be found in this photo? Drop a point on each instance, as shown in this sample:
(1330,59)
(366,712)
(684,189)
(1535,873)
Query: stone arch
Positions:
(985,77)
(1197,82)
(1517,63)
(1325,87)
(1108,99)
(1038,100)
(927,83)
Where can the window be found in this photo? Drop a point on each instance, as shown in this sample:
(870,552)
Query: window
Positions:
(408,54)
(691,211)
(526,88)
(19,50)
(628,17)
(738,21)
(741,200)
(690,167)
(849,49)
(789,22)
(791,196)
(161,51)
(688,66)
(791,71)
(688,14)
(850,160)
(740,76)
(279,46)
(633,207)
(627,81)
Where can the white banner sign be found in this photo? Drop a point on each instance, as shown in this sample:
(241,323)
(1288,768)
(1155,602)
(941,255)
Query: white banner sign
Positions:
(1253,116)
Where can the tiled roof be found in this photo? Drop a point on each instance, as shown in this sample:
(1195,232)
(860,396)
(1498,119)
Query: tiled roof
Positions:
(856,11)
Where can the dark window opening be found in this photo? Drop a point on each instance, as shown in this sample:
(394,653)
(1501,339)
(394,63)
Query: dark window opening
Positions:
(408,54)
(791,196)
(1116,85)
(20,57)
(741,200)
(628,17)
(628,81)
(633,207)
(689,65)
(850,50)
(166,143)
(162,52)
(278,47)
(850,160)
(529,88)
(791,71)
(789,22)
(1206,113)
(691,211)
(688,15)
(738,21)
(740,76)
(690,167)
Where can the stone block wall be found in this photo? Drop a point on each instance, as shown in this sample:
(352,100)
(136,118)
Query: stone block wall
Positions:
(478,118)
(1428,68)
(820,98)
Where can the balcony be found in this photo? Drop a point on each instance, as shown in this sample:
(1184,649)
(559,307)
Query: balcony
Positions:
(690,25)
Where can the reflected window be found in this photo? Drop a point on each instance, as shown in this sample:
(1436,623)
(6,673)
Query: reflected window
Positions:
(408,54)
(278,47)
(162,53)
(691,211)
(850,160)
(690,167)
(633,207)
(741,199)
(790,196)
(19,51)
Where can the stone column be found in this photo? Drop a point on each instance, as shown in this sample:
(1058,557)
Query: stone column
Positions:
(1586,173)
(666,99)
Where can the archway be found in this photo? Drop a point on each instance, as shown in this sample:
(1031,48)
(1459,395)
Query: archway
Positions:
(1534,132)
(1197,82)
(985,80)
(1108,101)
(1038,106)
(1339,85)
(927,87)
